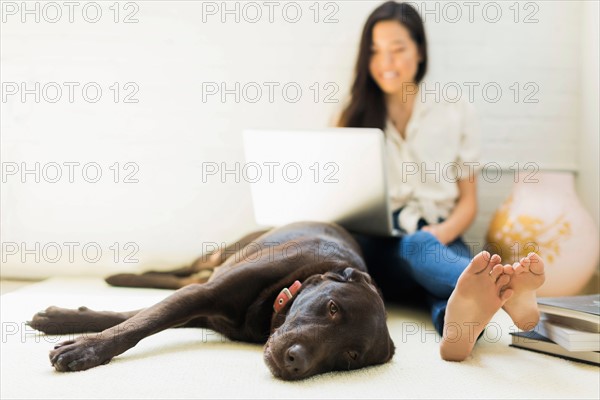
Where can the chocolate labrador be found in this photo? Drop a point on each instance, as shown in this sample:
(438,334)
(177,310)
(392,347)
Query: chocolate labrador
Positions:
(303,289)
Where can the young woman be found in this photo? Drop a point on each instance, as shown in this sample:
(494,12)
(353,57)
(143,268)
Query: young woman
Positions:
(433,149)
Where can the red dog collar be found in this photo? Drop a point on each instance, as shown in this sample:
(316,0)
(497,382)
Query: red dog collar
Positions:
(286,295)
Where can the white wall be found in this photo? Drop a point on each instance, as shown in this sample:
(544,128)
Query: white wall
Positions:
(588,181)
(170,132)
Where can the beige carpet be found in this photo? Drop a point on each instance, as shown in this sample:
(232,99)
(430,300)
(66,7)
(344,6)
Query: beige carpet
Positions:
(194,363)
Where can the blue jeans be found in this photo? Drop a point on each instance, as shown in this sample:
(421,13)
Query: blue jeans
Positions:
(415,269)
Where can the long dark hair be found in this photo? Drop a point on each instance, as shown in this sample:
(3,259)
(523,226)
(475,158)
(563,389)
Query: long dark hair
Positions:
(367,102)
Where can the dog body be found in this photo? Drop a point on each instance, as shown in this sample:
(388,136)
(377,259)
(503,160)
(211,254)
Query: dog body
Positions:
(333,318)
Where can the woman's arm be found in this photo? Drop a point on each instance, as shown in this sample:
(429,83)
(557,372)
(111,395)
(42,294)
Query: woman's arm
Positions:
(461,217)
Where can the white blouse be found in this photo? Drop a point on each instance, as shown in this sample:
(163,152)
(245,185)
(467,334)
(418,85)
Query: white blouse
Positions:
(442,146)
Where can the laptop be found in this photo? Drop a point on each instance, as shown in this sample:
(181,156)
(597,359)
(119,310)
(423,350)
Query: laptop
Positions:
(330,175)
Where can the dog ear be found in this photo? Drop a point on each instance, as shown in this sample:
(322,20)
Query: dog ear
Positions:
(391,348)
(354,275)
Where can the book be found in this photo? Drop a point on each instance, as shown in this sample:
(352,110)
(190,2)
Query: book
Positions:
(533,341)
(577,312)
(569,338)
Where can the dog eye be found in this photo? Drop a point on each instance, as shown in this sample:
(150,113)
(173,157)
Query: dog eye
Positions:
(353,355)
(333,308)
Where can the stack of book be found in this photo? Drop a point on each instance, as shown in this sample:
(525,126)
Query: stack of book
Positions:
(569,327)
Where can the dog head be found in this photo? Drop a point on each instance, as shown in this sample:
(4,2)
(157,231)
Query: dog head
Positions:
(337,321)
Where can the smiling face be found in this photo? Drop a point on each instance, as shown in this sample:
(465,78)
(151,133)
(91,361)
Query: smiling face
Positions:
(336,322)
(395,57)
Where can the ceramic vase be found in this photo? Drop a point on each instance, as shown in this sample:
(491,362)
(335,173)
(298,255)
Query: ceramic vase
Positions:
(544,214)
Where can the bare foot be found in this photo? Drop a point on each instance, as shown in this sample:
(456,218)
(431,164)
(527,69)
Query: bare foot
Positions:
(527,276)
(479,294)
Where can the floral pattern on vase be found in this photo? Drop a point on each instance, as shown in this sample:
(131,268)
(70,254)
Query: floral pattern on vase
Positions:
(547,217)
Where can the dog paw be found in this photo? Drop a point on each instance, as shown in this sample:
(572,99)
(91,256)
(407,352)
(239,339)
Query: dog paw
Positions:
(57,321)
(134,280)
(79,354)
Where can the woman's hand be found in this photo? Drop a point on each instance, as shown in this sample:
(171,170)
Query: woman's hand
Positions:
(461,217)
(440,231)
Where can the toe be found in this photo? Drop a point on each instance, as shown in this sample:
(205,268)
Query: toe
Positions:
(76,365)
(508,269)
(479,263)
(502,281)
(65,343)
(518,268)
(61,363)
(506,294)
(497,271)
(53,356)
(495,259)
(536,263)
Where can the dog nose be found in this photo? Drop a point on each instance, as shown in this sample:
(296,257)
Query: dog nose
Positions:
(296,360)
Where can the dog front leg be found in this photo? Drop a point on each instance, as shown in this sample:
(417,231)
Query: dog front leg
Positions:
(89,351)
(59,321)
